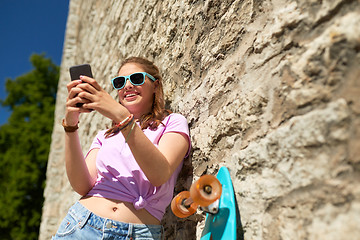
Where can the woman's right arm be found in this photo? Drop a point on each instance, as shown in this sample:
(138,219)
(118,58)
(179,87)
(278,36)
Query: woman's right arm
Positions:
(81,172)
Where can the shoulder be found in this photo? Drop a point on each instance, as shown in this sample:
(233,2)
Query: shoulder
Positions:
(176,122)
(174,117)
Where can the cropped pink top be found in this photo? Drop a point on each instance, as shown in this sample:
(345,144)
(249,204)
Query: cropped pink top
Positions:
(120,177)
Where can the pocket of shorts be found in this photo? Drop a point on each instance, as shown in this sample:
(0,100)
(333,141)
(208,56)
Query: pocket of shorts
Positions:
(67,227)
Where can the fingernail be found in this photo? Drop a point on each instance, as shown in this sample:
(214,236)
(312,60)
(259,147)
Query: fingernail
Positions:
(81,76)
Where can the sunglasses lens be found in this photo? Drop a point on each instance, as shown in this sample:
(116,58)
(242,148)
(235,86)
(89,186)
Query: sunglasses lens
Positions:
(119,82)
(137,78)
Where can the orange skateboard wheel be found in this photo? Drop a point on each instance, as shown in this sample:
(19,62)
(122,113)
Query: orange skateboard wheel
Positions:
(179,208)
(206,190)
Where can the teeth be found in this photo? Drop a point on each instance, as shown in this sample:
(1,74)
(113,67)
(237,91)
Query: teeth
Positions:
(130,95)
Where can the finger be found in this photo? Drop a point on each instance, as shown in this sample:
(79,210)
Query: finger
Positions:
(87,96)
(91,81)
(74,92)
(85,101)
(85,106)
(73,109)
(87,88)
(73,84)
(85,110)
(72,102)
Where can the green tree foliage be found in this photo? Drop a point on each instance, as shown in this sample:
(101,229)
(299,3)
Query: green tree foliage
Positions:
(24,148)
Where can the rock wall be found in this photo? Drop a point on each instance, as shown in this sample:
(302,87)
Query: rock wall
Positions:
(270,89)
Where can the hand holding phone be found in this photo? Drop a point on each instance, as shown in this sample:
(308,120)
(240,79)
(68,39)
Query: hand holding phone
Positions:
(77,71)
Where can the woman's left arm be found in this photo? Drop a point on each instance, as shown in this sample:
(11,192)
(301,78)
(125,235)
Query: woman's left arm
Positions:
(157,163)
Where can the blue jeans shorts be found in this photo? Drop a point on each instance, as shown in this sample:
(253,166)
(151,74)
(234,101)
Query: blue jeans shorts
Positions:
(80,223)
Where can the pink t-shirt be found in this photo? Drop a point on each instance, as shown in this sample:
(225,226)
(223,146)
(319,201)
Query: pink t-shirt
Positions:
(120,177)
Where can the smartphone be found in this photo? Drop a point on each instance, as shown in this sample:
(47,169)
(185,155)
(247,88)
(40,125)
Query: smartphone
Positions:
(83,69)
(77,71)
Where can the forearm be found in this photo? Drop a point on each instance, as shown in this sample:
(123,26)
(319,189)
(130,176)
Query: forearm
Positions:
(151,161)
(76,167)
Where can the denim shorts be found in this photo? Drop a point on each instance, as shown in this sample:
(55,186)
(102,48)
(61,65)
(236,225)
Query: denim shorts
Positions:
(80,223)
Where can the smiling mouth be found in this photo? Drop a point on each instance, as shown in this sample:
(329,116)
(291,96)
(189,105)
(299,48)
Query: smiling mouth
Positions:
(130,95)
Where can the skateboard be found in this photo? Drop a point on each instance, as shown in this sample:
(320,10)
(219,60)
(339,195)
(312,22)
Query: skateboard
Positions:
(215,196)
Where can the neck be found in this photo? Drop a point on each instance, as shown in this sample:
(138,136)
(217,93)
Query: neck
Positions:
(139,114)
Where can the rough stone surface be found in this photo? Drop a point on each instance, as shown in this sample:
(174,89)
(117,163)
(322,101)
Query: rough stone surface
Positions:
(270,90)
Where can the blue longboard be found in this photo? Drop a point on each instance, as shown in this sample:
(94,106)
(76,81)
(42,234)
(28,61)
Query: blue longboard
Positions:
(221,217)
(222,225)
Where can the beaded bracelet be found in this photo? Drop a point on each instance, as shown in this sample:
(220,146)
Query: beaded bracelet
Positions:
(125,122)
(69,128)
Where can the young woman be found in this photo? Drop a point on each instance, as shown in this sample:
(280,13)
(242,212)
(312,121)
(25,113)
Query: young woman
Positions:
(128,176)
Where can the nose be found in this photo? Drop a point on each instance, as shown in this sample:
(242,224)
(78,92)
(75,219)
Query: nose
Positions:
(128,84)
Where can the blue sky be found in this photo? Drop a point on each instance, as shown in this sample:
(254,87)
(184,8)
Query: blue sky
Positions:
(28,27)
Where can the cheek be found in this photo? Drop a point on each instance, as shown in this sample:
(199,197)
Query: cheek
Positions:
(152,93)
(119,94)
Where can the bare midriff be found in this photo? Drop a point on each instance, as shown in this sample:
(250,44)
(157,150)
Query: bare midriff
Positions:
(118,210)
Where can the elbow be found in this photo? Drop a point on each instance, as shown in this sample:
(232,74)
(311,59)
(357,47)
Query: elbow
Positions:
(160,179)
(82,190)
(81,193)
(157,182)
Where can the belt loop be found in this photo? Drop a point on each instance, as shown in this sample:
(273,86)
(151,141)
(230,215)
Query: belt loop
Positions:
(162,232)
(130,231)
(80,213)
(84,220)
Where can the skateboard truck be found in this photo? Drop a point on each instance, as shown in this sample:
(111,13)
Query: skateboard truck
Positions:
(213,208)
(205,193)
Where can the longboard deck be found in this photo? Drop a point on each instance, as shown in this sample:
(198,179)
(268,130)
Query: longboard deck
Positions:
(223,224)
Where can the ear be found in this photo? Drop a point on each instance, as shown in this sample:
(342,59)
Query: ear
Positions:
(156,84)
